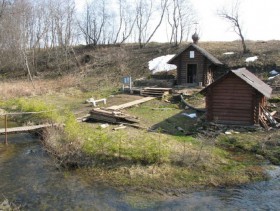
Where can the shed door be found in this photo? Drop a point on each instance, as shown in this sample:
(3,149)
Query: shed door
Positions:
(191,73)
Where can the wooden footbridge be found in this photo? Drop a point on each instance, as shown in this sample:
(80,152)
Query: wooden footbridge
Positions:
(22,129)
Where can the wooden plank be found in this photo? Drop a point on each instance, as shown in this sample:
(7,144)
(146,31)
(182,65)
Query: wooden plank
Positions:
(24,128)
(158,89)
(110,119)
(111,116)
(130,104)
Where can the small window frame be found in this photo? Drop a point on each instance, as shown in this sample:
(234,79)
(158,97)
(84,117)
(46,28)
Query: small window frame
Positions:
(192,55)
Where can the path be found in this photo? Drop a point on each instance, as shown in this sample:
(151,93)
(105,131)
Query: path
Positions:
(130,104)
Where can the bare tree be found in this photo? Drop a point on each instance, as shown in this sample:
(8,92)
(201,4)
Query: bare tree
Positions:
(143,15)
(180,17)
(163,6)
(93,24)
(124,20)
(232,15)
(145,12)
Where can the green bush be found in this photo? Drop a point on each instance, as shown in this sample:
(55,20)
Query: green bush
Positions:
(49,112)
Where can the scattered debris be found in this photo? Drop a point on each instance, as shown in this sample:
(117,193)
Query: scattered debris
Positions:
(272,77)
(228,53)
(267,120)
(192,116)
(213,129)
(231,132)
(273,113)
(7,206)
(251,59)
(121,127)
(103,126)
(83,118)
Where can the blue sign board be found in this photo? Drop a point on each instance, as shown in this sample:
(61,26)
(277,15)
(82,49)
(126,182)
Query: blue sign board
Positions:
(126,80)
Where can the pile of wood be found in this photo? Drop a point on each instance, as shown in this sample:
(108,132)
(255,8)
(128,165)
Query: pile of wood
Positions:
(267,119)
(111,116)
(155,92)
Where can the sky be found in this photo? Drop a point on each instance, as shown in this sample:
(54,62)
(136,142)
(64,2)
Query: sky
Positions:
(260,20)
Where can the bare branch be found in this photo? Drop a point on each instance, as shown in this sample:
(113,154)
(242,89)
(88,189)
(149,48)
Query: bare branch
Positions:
(232,16)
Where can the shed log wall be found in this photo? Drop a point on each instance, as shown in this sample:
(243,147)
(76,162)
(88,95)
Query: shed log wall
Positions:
(233,102)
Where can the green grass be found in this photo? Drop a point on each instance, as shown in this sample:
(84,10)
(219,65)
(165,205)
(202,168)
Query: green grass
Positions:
(164,117)
(267,145)
(49,112)
(162,159)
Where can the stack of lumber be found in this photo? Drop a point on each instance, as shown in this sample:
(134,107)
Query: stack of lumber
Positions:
(111,116)
(267,120)
(155,92)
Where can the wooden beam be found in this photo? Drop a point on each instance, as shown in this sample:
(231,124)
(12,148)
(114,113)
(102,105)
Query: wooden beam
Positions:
(6,126)
(24,128)
(130,104)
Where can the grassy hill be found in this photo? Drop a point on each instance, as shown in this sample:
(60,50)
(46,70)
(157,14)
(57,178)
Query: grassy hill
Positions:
(120,60)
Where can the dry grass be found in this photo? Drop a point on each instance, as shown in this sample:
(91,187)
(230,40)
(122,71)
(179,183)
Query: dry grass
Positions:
(22,88)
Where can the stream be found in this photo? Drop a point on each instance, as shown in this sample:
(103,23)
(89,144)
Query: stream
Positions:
(29,177)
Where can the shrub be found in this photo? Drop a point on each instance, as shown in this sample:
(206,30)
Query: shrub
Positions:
(49,112)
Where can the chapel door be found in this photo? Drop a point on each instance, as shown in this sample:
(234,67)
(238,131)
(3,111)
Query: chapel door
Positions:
(191,73)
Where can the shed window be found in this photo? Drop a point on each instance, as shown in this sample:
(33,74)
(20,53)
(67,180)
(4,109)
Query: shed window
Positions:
(191,54)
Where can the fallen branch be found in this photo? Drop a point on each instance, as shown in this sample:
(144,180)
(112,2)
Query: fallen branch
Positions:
(190,106)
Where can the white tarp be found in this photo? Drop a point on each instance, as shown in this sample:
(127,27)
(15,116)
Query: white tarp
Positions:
(193,115)
(273,72)
(159,64)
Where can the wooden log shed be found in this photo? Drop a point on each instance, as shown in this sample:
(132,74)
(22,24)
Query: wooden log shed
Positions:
(236,98)
(195,65)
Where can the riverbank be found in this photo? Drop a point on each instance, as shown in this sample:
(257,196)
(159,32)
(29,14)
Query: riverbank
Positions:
(42,186)
(155,160)
(159,160)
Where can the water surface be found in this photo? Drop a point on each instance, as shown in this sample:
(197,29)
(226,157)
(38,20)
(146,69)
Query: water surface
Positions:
(28,176)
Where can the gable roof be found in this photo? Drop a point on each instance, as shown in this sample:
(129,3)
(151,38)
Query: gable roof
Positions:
(201,50)
(249,78)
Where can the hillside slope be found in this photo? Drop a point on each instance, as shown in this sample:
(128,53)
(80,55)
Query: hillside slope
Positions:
(129,59)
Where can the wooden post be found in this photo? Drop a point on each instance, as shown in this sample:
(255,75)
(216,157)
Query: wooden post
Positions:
(130,83)
(6,126)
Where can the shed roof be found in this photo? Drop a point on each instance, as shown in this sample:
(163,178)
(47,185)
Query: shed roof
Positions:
(201,50)
(249,78)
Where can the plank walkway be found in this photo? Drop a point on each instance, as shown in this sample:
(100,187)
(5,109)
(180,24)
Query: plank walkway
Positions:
(130,104)
(24,128)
